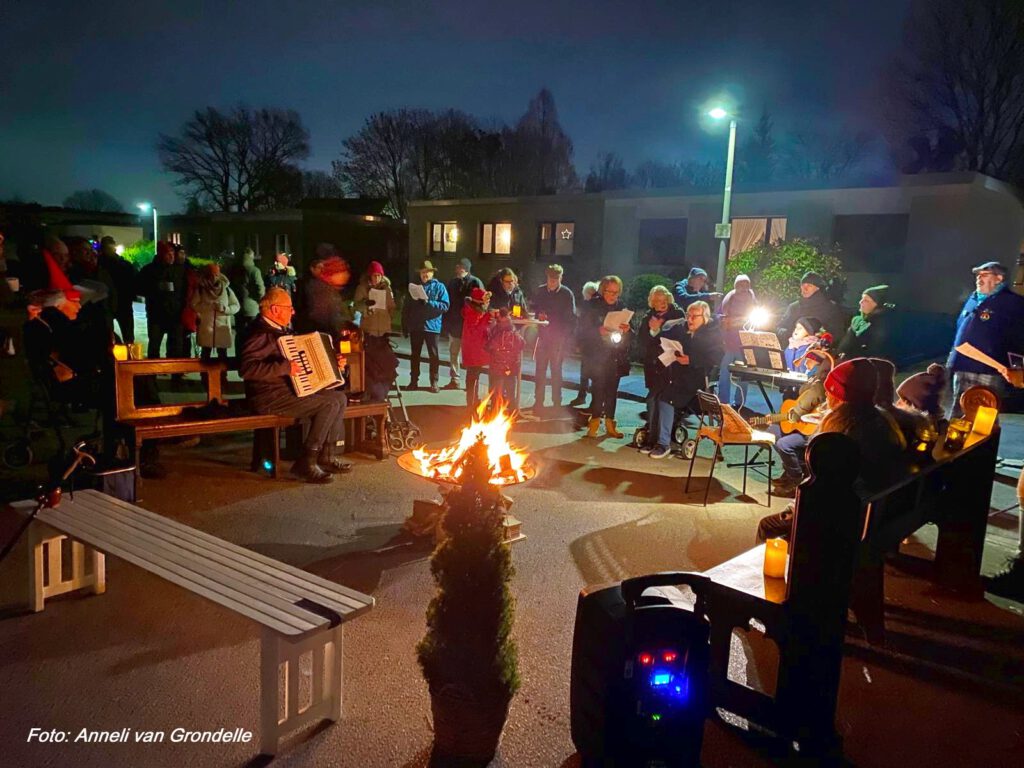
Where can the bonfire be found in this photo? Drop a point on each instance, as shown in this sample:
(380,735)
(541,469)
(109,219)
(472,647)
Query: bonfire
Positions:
(508,464)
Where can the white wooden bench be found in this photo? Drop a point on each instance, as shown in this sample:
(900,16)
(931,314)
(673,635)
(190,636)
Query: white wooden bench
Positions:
(299,613)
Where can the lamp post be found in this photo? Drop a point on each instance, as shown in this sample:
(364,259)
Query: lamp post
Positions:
(146,208)
(724,231)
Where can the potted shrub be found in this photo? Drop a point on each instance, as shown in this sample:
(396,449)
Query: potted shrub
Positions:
(467,655)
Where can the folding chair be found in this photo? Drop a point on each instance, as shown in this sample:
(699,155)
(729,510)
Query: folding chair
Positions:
(722,432)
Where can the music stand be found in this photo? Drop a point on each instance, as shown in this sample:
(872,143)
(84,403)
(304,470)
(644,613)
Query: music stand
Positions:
(761,349)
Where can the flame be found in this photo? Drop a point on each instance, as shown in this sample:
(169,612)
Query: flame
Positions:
(508,464)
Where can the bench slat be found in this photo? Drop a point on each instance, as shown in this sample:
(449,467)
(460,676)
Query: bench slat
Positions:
(297,577)
(277,620)
(206,551)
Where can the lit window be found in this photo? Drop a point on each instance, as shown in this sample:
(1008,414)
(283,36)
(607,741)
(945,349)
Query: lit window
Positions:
(444,237)
(281,244)
(496,238)
(176,238)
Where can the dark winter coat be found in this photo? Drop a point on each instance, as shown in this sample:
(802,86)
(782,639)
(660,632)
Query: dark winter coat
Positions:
(458,289)
(505,346)
(124,275)
(597,349)
(502,299)
(651,344)
(994,324)
(678,384)
(163,287)
(833,318)
(685,296)
(324,309)
(281,277)
(426,315)
(872,342)
(560,309)
(263,367)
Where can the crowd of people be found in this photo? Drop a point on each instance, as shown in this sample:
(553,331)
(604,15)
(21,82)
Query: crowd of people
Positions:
(84,303)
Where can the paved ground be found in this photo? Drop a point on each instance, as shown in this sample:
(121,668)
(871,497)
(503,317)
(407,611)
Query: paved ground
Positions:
(150,656)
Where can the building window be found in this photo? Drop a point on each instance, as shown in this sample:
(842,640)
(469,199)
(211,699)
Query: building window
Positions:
(175,238)
(872,242)
(253,241)
(496,238)
(444,237)
(555,238)
(281,244)
(662,241)
(750,232)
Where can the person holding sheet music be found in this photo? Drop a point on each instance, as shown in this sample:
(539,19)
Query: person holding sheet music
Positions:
(608,349)
(421,319)
(269,390)
(663,310)
(700,337)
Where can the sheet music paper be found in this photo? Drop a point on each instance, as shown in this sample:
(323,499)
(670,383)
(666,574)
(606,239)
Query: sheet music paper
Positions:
(763,339)
(379,298)
(613,320)
(416,291)
(669,350)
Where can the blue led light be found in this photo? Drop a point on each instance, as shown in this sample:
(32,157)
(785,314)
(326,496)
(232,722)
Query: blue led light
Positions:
(268,464)
(661,678)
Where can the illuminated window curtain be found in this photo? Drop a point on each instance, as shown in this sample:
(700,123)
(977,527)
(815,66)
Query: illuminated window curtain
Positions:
(746,233)
(778,231)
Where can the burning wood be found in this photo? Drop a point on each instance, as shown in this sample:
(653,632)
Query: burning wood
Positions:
(508,464)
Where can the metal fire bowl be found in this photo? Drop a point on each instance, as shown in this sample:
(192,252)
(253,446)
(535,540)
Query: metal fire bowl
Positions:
(410,464)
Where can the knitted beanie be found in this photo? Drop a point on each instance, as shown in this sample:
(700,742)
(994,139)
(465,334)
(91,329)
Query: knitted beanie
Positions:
(853,381)
(924,390)
(814,279)
(878,294)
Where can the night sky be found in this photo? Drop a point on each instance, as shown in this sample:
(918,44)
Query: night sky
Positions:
(86,86)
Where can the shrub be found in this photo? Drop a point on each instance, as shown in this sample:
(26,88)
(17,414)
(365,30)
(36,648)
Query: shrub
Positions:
(469,643)
(776,269)
(640,286)
(140,253)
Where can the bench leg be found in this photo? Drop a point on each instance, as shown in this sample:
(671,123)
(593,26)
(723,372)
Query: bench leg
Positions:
(46,578)
(276,434)
(324,702)
(382,437)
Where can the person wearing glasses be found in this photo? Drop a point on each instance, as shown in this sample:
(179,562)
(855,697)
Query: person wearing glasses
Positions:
(268,390)
(992,321)
(608,350)
(506,293)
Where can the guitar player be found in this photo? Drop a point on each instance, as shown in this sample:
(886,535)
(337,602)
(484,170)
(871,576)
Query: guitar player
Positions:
(791,445)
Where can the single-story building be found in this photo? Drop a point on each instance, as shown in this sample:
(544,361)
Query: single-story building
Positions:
(920,235)
(26,224)
(361,229)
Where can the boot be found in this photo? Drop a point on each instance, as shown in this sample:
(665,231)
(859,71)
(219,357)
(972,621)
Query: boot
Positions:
(332,464)
(307,469)
(592,426)
(609,428)
(580,399)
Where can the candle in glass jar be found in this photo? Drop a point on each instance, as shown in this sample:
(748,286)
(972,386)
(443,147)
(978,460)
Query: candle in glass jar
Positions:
(135,351)
(120,352)
(344,347)
(776,552)
(517,311)
(985,420)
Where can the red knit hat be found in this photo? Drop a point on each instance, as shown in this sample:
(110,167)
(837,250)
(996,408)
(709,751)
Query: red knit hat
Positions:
(479,295)
(332,266)
(853,381)
(375,268)
(58,280)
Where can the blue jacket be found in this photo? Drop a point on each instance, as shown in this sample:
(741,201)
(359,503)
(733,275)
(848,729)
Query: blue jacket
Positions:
(426,316)
(994,324)
(685,297)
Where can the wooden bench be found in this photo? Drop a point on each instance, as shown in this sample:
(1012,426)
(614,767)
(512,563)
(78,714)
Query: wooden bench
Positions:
(837,553)
(167,420)
(299,613)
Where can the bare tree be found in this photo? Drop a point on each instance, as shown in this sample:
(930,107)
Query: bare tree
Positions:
(93,200)
(375,162)
(238,161)
(758,157)
(823,155)
(691,175)
(321,184)
(539,152)
(957,88)
(606,173)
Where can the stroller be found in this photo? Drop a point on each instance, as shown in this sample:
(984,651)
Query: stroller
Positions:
(682,443)
(403,434)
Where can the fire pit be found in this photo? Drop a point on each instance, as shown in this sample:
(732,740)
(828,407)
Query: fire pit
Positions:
(444,466)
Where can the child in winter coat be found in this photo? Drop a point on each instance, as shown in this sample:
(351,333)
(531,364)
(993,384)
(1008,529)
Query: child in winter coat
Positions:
(805,335)
(215,304)
(476,323)
(505,345)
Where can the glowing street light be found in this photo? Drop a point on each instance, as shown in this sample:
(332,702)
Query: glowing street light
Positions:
(146,208)
(723,232)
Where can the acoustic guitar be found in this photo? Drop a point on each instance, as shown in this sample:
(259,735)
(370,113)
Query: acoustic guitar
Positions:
(782,419)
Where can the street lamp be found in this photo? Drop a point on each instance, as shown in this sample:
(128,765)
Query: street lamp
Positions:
(724,231)
(145,208)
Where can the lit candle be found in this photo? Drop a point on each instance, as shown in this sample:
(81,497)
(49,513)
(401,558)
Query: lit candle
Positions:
(985,420)
(120,352)
(776,551)
(344,347)
(135,351)
(517,311)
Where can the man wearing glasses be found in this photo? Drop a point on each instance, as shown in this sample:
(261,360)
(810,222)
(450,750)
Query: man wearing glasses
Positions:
(992,321)
(268,390)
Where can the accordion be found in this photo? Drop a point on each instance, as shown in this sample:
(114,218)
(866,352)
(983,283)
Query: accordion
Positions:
(314,352)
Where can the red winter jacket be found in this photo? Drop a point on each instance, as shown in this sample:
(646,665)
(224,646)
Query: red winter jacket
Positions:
(506,348)
(474,337)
